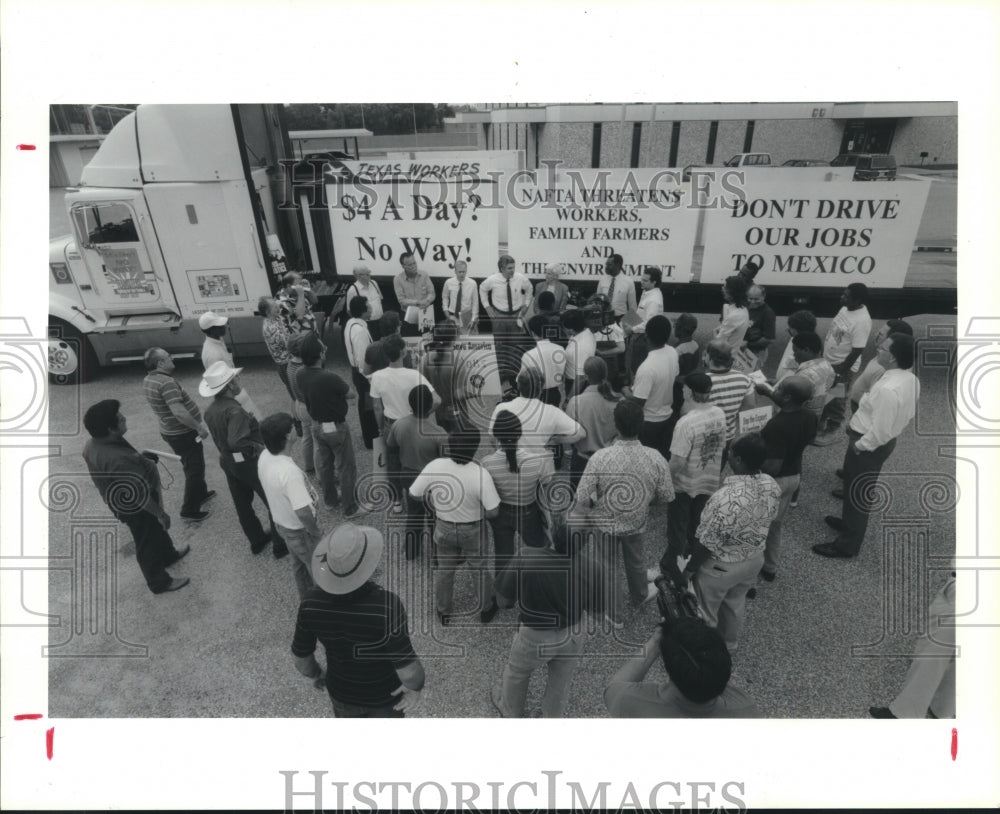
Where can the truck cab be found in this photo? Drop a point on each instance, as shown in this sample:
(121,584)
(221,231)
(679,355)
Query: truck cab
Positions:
(168,221)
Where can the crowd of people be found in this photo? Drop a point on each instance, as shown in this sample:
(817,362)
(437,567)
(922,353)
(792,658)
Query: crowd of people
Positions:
(645,413)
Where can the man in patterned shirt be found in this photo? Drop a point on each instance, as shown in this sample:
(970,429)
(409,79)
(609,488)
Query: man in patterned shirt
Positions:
(621,481)
(695,468)
(807,349)
(729,552)
(180,426)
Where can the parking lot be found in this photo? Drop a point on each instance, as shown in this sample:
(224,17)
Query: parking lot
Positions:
(220,647)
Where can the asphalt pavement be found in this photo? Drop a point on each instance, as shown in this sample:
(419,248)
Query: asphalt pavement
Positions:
(825,640)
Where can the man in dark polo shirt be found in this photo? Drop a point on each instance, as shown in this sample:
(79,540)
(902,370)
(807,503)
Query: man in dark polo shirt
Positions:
(236,433)
(130,485)
(180,426)
(554,588)
(372,670)
(786,436)
(325,396)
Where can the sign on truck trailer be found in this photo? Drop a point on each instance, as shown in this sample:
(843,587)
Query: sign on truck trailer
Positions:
(176,215)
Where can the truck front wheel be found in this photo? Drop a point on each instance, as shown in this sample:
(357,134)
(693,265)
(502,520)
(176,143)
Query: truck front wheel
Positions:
(70,357)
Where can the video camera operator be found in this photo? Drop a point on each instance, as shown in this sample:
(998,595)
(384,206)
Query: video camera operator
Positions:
(698,667)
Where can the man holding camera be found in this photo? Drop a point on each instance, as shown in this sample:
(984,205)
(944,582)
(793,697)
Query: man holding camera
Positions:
(698,664)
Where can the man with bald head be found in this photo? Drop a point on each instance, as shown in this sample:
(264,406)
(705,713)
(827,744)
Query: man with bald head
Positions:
(180,426)
(786,436)
(460,298)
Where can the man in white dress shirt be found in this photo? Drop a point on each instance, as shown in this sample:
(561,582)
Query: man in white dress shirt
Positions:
(618,288)
(365,286)
(460,298)
(883,414)
(650,304)
(506,297)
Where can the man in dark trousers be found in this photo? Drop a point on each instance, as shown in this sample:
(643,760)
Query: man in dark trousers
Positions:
(130,485)
(325,395)
(786,436)
(236,433)
(883,414)
(180,426)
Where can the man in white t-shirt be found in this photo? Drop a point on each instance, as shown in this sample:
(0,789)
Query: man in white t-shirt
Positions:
(846,338)
(653,387)
(541,423)
(391,386)
(582,346)
(289,495)
(547,358)
(460,492)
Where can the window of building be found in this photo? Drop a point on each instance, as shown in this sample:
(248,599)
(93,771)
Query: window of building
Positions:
(636,142)
(713,134)
(675,138)
(748,138)
(595,151)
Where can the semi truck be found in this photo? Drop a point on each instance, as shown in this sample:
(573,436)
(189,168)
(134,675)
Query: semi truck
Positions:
(174,216)
(191,208)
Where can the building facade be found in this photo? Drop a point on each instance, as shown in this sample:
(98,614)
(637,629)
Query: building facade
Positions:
(679,135)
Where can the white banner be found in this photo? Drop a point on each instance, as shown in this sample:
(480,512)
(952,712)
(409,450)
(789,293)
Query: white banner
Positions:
(439,221)
(581,217)
(806,234)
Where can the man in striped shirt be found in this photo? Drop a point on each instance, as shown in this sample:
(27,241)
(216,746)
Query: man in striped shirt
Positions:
(372,670)
(180,426)
(731,390)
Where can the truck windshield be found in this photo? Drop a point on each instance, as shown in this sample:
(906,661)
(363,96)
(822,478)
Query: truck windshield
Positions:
(106,223)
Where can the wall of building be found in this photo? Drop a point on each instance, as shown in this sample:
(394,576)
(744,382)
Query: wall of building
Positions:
(729,140)
(797,138)
(693,143)
(569,143)
(656,144)
(616,144)
(937,135)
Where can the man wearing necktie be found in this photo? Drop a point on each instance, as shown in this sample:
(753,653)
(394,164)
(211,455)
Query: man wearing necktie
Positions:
(506,297)
(459,298)
(619,290)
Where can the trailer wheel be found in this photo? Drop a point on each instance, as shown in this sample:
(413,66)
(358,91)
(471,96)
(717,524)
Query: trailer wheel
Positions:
(70,357)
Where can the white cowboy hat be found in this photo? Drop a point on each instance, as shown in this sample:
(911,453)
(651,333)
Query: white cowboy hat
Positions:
(218,375)
(346,557)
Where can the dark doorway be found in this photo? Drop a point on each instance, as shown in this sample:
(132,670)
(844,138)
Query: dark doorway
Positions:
(868,136)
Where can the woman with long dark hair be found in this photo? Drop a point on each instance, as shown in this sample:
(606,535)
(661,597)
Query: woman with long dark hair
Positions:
(521,477)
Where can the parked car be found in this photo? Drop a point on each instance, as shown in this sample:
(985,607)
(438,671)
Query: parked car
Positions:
(805,162)
(868,166)
(749,160)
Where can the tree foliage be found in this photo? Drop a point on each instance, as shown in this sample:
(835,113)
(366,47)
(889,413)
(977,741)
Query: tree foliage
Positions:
(381,119)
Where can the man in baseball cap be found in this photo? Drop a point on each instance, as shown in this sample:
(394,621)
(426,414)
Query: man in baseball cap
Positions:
(372,669)
(214,350)
(237,435)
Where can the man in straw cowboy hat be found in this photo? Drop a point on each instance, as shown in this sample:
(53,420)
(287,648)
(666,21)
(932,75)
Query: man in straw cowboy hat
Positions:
(237,435)
(372,670)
